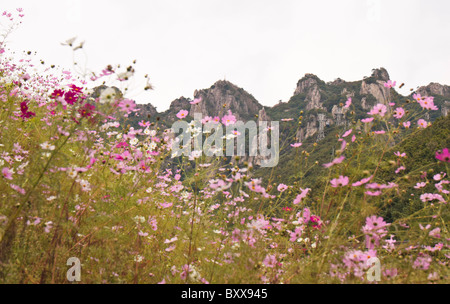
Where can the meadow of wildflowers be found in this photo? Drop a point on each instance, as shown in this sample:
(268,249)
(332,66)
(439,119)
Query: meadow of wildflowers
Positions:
(77,181)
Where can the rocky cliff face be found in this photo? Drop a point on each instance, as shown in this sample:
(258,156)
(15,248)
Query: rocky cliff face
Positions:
(435,89)
(312,95)
(374,85)
(224,96)
(176,106)
(147,111)
(309,85)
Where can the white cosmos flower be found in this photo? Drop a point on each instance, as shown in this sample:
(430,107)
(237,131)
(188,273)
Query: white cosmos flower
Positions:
(108,95)
(138,258)
(196,154)
(47,146)
(134,141)
(152,146)
(71,172)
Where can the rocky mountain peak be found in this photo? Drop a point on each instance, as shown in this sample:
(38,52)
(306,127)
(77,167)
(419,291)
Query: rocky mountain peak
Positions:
(309,85)
(380,74)
(223,96)
(435,89)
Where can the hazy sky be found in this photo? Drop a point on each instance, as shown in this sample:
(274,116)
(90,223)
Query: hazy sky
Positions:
(261,46)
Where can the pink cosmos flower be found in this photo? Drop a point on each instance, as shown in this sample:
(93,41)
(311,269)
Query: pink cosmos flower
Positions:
(127,105)
(206,120)
(428,197)
(353,138)
(348,103)
(436,233)
(339,182)
(439,176)
(196,101)
(371,193)
(400,154)
(296,145)
(367,120)
(407,124)
(375,230)
(379,109)
(400,169)
(302,195)
(229,119)
(287,119)
(143,123)
(427,103)
(399,113)
(420,185)
(7,173)
(443,155)
(422,123)
(282,187)
(362,182)
(422,262)
(347,133)
(18,189)
(335,162)
(270,261)
(182,114)
(343,145)
(389,84)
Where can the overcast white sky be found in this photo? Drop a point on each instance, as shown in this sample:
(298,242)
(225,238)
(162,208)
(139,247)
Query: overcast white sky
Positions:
(261,46)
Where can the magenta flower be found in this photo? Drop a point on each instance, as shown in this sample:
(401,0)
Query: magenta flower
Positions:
(71,97)
(24,110)
(86,110)
(339,182)
(407,124)
(443,156)
(182,114)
